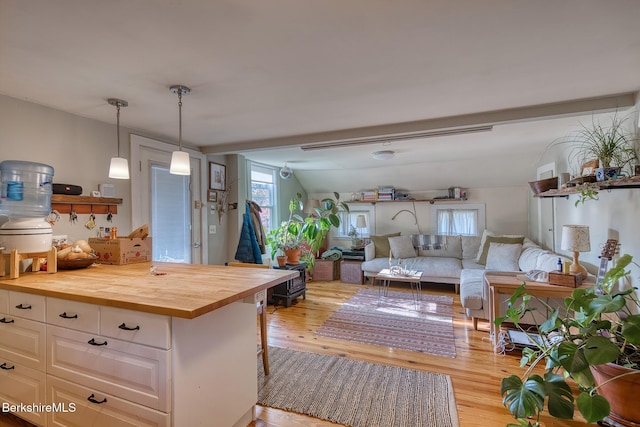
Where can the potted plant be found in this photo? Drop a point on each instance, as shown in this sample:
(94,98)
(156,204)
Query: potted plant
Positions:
(288,238)
(596,333)
(612,145)
(305,236)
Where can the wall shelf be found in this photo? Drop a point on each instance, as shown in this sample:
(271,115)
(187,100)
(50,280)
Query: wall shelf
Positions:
(614,184)
(85,204)
(430,201)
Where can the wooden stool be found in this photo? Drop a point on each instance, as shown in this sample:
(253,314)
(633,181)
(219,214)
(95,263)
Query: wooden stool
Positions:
(261,305)
(14,262)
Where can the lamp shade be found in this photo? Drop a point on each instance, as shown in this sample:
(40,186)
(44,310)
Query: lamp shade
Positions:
(119,168)
(180,163)
(361,221)
(575,238)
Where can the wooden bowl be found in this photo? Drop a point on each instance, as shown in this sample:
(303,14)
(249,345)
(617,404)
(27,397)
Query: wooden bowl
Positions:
(74,264)
(543,185)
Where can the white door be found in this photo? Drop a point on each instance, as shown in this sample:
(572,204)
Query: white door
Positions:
(170,204)
(546,226)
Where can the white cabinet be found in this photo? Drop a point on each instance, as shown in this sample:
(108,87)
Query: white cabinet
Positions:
(73,315)
(89,408)
(131,371)
(22,353)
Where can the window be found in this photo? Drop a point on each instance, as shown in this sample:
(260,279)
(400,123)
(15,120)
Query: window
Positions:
(454,220)
(263,192)
(349,222)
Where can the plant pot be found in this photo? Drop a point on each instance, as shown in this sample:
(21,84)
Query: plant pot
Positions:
(605,174)
(282,260)
(621,393)
(293,255)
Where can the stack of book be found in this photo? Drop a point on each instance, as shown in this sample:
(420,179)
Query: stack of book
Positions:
(386,193)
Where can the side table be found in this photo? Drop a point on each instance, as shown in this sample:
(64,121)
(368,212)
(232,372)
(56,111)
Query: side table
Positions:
(291,289)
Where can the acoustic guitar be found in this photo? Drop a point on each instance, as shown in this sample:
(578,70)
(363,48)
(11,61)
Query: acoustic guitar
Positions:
(609,249)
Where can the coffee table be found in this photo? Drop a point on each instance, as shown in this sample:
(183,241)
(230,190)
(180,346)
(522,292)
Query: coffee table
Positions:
(413,277)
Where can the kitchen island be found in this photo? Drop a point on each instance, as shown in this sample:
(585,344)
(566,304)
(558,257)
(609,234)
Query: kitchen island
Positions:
(124,347)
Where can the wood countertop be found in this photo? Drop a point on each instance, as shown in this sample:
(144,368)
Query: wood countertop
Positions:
(179,290)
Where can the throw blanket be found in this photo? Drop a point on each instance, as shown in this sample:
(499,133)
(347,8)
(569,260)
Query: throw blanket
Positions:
(427,241)
(332,254)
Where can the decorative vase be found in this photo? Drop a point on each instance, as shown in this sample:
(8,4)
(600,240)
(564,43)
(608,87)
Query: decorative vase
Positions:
(604,174)
(282,260)
(620,392)
(293,255)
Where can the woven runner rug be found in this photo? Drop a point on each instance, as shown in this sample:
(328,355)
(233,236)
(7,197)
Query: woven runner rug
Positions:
(354,393)
(395,321)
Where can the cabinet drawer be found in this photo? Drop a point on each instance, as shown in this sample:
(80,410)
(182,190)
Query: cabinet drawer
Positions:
(112,412)
(136,326)
(26,305)
(22,341)
(127,370)
(4,301)
(19,384)
(73,314)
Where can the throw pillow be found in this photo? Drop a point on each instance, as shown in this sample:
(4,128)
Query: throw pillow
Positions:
(483,240)
(402,247)
(503,256)
(381,244)
(484,248)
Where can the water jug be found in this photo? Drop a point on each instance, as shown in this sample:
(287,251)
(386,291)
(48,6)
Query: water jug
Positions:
(26,189)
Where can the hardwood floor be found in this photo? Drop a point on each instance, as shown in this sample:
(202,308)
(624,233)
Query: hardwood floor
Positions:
(476,371)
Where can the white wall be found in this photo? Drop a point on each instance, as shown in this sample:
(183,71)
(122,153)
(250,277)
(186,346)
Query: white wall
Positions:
(78,149)
(506,208)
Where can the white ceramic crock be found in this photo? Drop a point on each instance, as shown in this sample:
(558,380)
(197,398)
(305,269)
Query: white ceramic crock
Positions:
(25,234)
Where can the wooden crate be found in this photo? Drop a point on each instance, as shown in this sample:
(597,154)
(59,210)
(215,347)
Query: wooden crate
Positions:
(351,272)
(326,269)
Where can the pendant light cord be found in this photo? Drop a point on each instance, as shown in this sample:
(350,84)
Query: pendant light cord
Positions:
(118,125)
(180,118)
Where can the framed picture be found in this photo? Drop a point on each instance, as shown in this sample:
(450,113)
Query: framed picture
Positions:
(217,176)
(212,196)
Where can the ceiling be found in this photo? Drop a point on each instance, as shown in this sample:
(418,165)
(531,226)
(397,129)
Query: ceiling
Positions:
(282,73)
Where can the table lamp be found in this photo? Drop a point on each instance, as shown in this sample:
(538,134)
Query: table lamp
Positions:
(361,222)
(575,238)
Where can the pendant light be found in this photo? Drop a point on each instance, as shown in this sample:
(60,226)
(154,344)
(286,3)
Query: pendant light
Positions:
(119,166)
(180,159)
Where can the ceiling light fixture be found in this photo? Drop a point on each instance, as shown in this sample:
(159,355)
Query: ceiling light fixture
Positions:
(395,137)
(383,155)
(119,166)
(286,172)
(180,159)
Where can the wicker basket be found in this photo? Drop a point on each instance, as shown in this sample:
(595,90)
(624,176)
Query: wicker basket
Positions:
(544,185)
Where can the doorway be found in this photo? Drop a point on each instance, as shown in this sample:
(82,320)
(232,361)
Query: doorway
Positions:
(546,215)
(170,204)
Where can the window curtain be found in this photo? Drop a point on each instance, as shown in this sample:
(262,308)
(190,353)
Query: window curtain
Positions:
(457,222)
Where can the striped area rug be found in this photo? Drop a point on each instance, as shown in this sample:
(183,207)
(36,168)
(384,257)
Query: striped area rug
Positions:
(395,320)
(354,393)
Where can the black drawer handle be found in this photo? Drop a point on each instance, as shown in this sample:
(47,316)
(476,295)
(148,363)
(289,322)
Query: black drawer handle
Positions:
(23,307)
(6,368)
(4,320)
(126,328)
(93,400)
(66,316)
(92,341)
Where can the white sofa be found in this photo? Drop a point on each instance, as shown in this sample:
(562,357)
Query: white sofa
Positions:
(443,265)
(474,291)
(456,263)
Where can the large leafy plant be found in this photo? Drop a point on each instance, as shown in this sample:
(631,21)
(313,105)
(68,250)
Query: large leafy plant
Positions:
(596,326)
(308,233)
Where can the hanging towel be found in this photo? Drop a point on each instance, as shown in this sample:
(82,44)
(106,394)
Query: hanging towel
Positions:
(248,248)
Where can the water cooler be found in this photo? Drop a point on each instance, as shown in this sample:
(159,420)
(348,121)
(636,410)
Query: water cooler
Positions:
(25,202)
